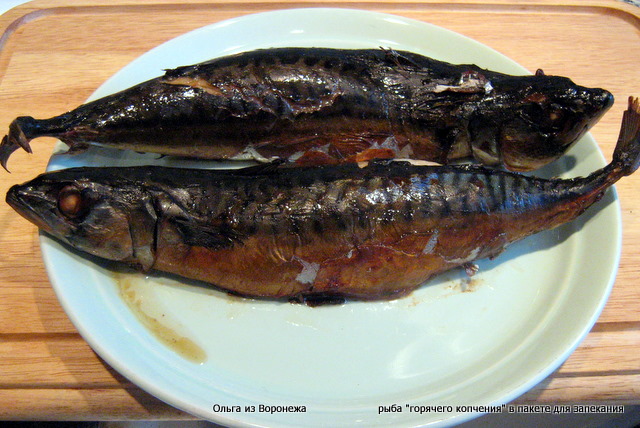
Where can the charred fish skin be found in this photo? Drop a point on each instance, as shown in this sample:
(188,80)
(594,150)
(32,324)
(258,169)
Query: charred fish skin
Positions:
(327,106)
(376,232)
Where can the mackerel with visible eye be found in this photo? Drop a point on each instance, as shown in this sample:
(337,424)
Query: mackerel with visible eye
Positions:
(93,217)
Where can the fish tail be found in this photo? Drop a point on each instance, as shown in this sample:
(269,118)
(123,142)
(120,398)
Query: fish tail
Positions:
(6,148)
(625,160)
(626,155)
(22,130)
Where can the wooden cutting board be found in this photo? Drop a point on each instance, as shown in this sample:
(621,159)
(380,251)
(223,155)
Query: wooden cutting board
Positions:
(55,53)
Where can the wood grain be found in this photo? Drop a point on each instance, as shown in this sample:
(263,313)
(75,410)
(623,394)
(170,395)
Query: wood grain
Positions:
(55,53)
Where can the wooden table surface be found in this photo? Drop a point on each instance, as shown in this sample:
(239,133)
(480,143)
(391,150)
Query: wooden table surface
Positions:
(55,53)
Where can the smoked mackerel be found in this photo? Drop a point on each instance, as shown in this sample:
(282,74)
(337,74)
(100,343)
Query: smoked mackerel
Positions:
(317,106)
(336,231)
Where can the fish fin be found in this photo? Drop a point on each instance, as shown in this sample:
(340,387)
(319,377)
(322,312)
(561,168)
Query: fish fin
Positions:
(319,299)
(6,149)
(397,58)
(197,234)
(16,138)
(18,130)
(178,71)
(470,268)
(144,243)
(626,156)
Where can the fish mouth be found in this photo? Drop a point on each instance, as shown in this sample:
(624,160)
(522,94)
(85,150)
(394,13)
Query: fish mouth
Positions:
(30,206)
(601,100)
(596,102)
(608,99)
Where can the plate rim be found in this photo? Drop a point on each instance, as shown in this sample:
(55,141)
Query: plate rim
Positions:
(148,386)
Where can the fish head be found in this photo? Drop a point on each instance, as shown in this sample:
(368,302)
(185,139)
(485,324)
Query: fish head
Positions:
(89,214)
(535,121)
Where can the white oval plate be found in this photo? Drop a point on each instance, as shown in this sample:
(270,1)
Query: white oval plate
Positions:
(453,342)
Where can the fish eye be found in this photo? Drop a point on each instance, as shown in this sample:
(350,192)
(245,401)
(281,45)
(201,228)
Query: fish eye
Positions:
(556,113)
(533,112)
(550,116)
(70,201)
